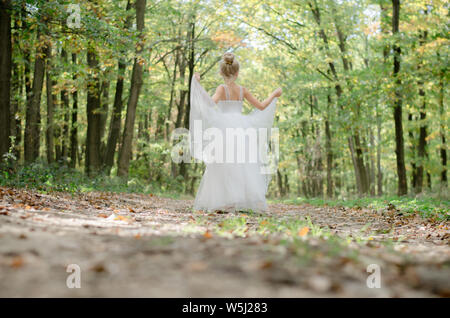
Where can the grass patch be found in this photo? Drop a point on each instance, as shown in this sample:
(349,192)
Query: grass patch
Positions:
(426,207)
(47,178)
(299,236)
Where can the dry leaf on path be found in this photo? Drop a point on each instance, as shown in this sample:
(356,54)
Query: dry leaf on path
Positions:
(207,235)
(303,231)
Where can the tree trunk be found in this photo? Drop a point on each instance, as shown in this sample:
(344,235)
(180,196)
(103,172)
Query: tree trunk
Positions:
(92,157)
(372,163)
(172,93)
(442,112)
(328,150)
(280,183)
(412,140)
(33,112)
(399,141)
(16,84)
(114,127)
(74,128)
(104,100)
(5,77)
(379,172)
(360,163)
(51,101)
(180,105)
(355,165)
(136,84)
(421,149)
(116,115)
(191,35)
(286,185)
(65,109)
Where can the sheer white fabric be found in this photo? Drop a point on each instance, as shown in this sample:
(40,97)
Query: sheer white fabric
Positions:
(230,185)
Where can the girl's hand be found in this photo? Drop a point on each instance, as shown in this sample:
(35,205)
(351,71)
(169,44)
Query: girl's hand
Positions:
(277,92)
(197,76)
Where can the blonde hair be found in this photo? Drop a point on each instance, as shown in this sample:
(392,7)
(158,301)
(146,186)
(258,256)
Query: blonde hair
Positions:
(229,66)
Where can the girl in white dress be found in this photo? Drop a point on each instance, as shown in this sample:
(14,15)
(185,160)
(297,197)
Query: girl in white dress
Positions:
(230,183)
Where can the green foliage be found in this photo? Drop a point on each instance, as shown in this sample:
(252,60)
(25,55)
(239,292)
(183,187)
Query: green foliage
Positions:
(55,177)
(277,44)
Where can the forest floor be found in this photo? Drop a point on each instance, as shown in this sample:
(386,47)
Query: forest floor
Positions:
(137,245)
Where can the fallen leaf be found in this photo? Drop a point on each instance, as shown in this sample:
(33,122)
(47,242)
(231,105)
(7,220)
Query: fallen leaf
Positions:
(303,231)
(99,268)
(266,265)
(17,262)
(207,235)
(122,218)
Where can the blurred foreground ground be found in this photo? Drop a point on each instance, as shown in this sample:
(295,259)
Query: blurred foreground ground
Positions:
(133,245)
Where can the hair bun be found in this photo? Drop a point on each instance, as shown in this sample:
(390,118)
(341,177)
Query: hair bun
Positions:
(228,58)
(229,65)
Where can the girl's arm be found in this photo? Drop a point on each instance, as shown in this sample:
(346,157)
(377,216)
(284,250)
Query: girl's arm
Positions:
(261,105)
(220,91)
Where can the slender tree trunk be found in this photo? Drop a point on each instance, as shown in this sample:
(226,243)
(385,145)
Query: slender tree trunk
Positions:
(74,128)
(421,149)
(114,128)
(16,84)
(328,150)
(51,101)
(104,100)
(172,93)
(412,140)
(92,157)
(180,105)
(65,108)
(384,29)
(372,162)
(116,115)
(351,146)
(379,172)
(33,112)
(280,183)
(136,84)
(5,77)
(360,163)
(399,142)
(191,65)
(442,112)
(191,36)
(26,77)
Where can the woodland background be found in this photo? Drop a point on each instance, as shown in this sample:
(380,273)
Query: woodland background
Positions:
(91,91)
(90,103)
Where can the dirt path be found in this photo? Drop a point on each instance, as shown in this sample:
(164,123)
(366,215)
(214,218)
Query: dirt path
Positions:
(135,245)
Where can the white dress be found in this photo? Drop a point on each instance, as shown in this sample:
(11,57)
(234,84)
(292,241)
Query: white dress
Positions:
(237,184)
